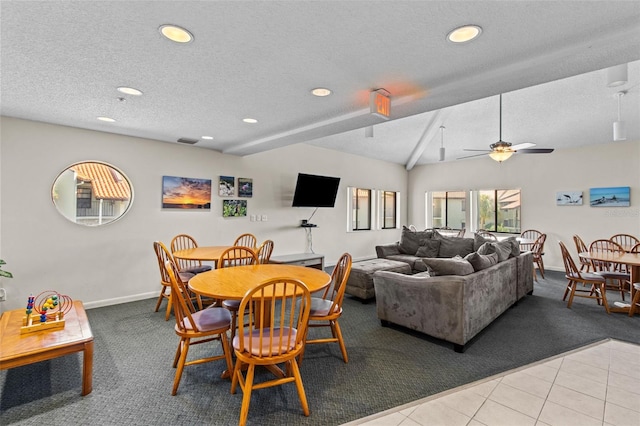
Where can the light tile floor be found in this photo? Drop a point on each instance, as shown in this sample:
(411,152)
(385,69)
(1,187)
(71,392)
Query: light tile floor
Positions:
(595,385)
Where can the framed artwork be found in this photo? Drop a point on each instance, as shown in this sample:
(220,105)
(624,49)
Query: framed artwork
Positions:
(245,187)
(569,198)
(186,193)
(234,208)
(227,186)
(619,196)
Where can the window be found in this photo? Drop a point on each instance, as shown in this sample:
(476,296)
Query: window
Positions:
(449,209)
(499,210)
(389,201)
(360,209)
(83,198)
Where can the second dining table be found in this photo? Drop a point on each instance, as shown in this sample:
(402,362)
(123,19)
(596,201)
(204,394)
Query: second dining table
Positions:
(632,260)
(206,253)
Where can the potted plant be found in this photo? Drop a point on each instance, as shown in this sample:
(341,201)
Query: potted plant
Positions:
(3,273)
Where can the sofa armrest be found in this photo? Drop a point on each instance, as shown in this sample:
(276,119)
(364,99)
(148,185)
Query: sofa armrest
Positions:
(388,250)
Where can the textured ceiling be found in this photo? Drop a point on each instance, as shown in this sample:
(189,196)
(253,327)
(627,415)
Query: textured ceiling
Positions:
(62,61)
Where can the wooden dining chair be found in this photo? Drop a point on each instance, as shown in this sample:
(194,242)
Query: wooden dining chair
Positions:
(615,276)
(461,233)
(581,247)
(538,252)
(236,256)
(264,251)
(530,235)
(486,234)
(326,311)
(635,301)
(246,240)
(626,241)
(272,324)
(183,242)
(163,255)
(195,328)
(595,282)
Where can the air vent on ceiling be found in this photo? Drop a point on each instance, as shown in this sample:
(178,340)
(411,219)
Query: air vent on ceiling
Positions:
(188,141)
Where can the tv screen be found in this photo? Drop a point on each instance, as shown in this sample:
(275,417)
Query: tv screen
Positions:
(315,191)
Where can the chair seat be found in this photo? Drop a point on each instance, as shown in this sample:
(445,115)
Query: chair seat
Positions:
(197,269)
(320,307)
(587,276)
(614,275)
(232,305)
(185,276)
(253,341)
(210,319)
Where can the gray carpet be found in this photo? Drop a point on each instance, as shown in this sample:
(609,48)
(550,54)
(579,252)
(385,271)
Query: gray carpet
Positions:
(134,349)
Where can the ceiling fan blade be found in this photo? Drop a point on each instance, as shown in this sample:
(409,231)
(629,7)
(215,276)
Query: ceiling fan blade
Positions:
(483,150)
(535,151)
(523,146)
(471,156)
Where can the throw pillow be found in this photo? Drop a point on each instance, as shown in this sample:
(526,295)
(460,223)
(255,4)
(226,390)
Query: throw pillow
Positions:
(410,241)
(429,248)
(453,266)
(502,250)
(482,261)
(455,246)
(479,240)
(513,244)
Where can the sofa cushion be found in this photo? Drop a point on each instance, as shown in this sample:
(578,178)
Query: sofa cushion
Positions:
(455,246)
(429,248)
(481,261)
(502,250)
(411,240)
(415,262)
(454,266)
(514,244)
(479,240)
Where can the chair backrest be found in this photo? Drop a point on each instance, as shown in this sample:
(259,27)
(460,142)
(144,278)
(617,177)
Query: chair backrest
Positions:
(339,277)
(635,249)
(461,233)
(237,256)
(570,268)
(246,240)
(530,234)
(163,256)
(538,246)
(183,307)
(604,247)
(412,228)
(486,234)
(183,242)
(625,240)
(581,247)
(273,317)
(264,251)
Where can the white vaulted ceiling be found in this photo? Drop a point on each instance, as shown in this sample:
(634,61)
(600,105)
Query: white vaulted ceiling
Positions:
(62,61)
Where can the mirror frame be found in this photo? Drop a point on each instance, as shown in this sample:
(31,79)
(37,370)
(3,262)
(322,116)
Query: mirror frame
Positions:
(67,179)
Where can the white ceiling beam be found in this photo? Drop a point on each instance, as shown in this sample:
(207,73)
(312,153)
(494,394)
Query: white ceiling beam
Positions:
(427,136)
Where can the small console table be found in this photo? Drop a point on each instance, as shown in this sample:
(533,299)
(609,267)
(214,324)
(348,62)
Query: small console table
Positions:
(311,260)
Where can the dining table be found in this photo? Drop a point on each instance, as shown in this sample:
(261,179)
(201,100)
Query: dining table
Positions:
(631,260)
(202,253)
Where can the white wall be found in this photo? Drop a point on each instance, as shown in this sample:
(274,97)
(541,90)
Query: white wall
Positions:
(539,177)
(115,263)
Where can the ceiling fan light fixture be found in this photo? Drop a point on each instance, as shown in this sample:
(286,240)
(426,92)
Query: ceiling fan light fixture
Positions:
(500,156)
(464,34)
(617,76)
(619,128)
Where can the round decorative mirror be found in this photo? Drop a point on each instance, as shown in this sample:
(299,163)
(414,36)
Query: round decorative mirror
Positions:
(92,193)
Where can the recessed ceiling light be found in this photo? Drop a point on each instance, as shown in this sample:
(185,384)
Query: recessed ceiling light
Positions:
(207,137)
(464,34)
(107,119)
(129,91)
(321,91)
(175,33)
(250,120)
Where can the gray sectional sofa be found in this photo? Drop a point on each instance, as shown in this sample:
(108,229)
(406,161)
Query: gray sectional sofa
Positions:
(451,298)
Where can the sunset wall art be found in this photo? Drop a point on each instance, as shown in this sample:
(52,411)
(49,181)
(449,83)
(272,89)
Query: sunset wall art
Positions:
(186,193)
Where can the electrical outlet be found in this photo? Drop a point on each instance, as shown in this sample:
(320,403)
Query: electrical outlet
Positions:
(253,218)
(3,294)
(264,217)
(258,218)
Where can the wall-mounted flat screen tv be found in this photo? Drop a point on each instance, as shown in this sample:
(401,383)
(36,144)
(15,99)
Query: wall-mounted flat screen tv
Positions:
(315,191)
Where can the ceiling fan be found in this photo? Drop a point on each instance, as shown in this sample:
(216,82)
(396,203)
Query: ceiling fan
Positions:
(502,150)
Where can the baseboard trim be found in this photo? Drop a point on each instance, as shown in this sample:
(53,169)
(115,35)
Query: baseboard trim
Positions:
(119,300)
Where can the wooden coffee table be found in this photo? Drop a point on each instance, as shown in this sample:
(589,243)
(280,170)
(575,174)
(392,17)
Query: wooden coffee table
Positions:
(21,349)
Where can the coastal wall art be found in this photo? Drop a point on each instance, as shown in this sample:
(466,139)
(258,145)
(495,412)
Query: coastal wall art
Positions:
(618,196)
(186,193)
(569,198)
